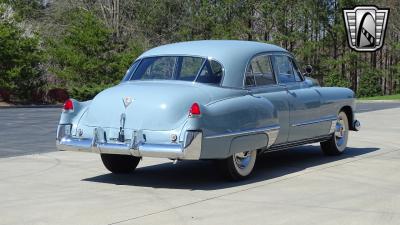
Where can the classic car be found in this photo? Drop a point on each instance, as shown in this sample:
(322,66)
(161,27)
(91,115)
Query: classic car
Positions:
(227,101)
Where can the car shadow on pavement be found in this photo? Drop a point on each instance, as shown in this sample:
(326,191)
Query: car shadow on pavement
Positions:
(204,175)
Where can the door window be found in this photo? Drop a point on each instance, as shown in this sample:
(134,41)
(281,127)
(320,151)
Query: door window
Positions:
(286,70)
(259,72)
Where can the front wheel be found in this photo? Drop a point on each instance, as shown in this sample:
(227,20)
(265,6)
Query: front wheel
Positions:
(239,165)
(338,142)
(120,163)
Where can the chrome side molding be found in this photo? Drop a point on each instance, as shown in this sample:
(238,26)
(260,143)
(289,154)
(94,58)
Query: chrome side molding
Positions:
(304,123)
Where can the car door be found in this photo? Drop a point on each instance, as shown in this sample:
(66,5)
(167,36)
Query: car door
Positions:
(304,101)
(260,80)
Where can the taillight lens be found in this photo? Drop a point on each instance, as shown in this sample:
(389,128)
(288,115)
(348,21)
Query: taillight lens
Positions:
(68,105)
(194,110)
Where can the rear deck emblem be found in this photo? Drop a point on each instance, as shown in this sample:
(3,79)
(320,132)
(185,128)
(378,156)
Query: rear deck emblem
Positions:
(366,26)
(127,101)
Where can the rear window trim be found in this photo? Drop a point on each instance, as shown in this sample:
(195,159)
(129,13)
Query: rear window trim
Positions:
(196,56)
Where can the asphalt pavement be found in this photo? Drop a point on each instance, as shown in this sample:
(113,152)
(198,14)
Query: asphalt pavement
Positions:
(298,186)
(368,106)
(26,131)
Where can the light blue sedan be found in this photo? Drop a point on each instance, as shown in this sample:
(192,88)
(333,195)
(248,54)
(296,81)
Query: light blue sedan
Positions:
(223,100)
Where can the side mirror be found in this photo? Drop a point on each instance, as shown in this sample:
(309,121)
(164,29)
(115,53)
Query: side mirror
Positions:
(308,69)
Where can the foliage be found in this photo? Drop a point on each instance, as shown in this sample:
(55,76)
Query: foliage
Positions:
(336,80)
(370,83)
(20,58)
(85,57)
(25,9)
(384,97)
(86,92)
(89,44)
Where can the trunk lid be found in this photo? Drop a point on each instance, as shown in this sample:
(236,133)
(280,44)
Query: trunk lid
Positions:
(155,105)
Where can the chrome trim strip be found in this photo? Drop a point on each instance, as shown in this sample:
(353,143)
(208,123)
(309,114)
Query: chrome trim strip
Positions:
(287,145)
(313,121)
(244,132)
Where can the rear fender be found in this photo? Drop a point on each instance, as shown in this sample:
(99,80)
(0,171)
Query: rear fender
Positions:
(334,100)
(241,118)
(73,117)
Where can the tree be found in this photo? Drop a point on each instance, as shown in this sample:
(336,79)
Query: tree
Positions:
(85,58)
(20,57)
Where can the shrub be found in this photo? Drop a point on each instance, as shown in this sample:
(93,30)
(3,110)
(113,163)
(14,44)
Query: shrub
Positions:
(86,59)
(369,83)
(20,57)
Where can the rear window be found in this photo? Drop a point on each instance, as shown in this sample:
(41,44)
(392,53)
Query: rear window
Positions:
(185,68)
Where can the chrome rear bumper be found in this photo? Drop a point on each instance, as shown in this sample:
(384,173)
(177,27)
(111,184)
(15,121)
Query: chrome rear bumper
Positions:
(189,149)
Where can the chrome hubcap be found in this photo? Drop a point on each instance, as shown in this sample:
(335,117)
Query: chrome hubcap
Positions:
(242,159)
(340,132)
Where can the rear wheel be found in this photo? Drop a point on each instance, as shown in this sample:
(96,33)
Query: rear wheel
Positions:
(120,163)
(338,142)
(239,165)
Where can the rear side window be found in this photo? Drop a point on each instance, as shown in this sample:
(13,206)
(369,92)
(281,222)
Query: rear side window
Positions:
(259,72)
(211,73)
(286,69)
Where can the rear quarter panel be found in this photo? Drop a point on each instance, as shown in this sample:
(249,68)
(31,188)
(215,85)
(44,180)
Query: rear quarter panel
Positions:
(221,121)
(333,99)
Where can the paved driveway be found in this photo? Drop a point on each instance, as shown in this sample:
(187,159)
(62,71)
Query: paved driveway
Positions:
(300,186)
(27,130)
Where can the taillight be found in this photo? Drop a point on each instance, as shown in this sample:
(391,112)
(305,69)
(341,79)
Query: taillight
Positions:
(68,105)
(194,110)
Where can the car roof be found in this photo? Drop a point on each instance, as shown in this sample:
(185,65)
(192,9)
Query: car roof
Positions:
(232,54)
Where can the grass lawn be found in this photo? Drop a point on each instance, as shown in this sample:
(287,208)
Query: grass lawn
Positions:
(384,97)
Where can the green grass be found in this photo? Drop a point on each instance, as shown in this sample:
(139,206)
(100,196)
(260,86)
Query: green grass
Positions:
(384,97)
